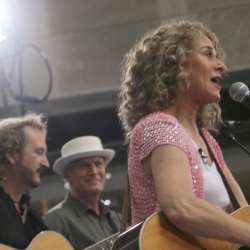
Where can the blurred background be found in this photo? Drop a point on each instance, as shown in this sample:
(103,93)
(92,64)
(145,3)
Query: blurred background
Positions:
(63,59)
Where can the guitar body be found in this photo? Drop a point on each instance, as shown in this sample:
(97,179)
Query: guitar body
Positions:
(128,240)
(158,233)
(47,240)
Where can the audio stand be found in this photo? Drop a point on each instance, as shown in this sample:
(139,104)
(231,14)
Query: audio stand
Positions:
(231,137)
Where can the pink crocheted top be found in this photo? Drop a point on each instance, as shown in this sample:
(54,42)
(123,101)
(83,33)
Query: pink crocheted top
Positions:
(156,129)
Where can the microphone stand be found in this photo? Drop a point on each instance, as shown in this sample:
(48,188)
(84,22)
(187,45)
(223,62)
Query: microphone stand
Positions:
(226,134)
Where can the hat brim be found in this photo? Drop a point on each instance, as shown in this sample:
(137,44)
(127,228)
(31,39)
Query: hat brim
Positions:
(61,163)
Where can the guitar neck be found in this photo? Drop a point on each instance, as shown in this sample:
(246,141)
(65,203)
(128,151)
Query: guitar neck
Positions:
(105,244)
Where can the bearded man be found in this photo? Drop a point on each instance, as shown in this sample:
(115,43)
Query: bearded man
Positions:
(22,160)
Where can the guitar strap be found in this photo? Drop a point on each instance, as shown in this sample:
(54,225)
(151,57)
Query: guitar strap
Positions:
(125,208)
(126,203)
(112,224)
(232,197)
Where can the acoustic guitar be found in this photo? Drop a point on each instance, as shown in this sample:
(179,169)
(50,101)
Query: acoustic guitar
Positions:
(47,240)
(50,240)
(159,233)
(105,244)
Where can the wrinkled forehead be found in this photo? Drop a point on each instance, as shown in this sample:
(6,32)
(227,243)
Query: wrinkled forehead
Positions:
(212,41)
(198,38)
(33,135)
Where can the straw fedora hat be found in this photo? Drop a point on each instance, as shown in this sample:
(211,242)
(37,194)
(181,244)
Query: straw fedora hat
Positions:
(82,147)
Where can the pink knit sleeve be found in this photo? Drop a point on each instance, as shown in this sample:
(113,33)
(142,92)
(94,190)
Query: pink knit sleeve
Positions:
(159,129)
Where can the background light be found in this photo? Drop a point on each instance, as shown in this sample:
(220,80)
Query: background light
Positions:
(2,18)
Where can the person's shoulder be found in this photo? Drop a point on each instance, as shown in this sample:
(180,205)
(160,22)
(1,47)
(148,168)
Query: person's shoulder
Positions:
(155,118)
(54,219)
(54,214)
(115,214)
(153,125)
(57,209)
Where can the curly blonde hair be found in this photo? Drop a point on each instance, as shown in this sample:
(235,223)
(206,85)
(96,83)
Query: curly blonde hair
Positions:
(154,72)
(12,135)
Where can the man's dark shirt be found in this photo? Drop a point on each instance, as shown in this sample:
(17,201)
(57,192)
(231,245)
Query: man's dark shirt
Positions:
(16,231)
(80,225)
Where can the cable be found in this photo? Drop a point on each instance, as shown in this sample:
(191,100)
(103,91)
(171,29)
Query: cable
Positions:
(29,99)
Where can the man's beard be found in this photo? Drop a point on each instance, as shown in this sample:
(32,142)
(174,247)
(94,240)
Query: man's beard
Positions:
(28,177)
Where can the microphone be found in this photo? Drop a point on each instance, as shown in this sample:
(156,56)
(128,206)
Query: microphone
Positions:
(239,92)
(231,124)
(202,155)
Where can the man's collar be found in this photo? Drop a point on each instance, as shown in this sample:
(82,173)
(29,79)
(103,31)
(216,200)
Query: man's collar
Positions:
(24,199)
(81,208)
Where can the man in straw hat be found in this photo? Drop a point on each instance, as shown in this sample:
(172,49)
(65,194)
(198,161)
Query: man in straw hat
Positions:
(81,217)
(22,161)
